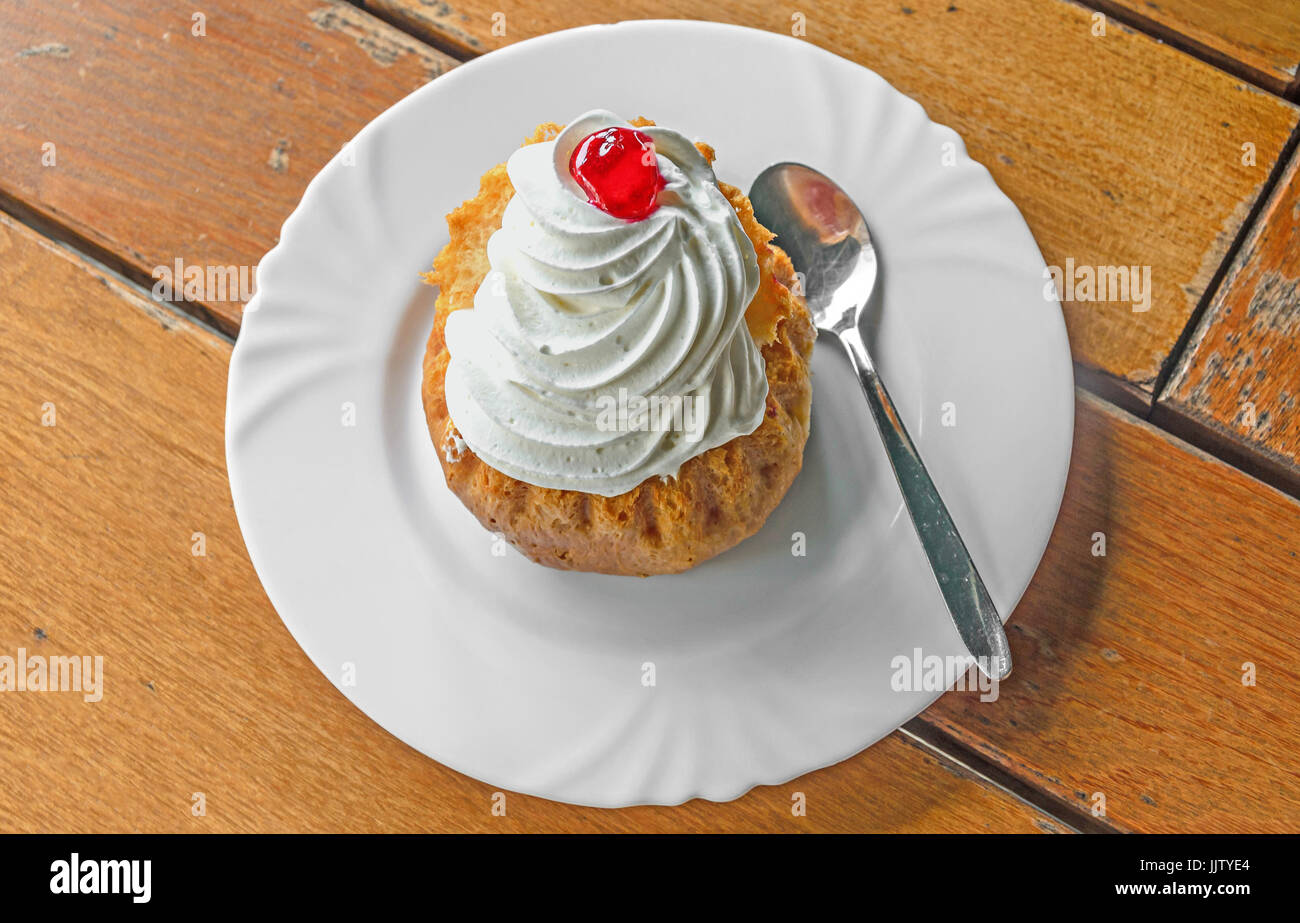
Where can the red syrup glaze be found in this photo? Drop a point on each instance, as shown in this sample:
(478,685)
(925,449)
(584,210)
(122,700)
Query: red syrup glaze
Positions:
(617,169)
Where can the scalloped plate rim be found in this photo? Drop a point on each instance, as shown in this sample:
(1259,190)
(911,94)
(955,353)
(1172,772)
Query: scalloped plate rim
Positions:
(282,251)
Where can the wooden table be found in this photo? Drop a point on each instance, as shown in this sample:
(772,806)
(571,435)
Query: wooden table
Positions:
(1161,677)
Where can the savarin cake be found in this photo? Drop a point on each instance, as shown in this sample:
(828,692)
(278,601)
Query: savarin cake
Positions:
(617,378)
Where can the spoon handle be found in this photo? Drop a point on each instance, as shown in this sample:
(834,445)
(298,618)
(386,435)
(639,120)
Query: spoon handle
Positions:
(968,600)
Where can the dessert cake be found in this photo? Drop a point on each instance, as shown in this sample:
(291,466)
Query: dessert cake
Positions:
(617,378)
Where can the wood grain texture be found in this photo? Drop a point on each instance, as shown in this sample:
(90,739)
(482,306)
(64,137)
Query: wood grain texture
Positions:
(1129,666)
(1238,382)
(204,689)
(170,145)
(1119,150)
(1263,36)
(1128,674)
(1128,682)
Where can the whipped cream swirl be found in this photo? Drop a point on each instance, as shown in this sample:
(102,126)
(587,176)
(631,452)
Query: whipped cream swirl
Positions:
(583,313)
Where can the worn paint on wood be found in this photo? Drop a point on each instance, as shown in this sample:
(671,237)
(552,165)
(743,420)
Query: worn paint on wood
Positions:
(1238,382)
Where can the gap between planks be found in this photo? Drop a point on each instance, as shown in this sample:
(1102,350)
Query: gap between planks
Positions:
(942,744)
(1266,190)
(110,263)
(1239,456)
(432,37)
(1187,45)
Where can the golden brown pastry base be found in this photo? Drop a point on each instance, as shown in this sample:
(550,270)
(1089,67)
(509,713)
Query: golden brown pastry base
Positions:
(659,527)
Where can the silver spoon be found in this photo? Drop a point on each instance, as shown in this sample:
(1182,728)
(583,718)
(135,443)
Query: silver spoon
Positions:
(828,241)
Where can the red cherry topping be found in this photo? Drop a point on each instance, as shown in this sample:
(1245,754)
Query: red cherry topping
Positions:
(617,169)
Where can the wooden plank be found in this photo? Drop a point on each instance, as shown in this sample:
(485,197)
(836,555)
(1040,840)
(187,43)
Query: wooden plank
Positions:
(1260,38)
(1119,150)
(1159,502)
(1237,386)
(204,689)
(1130,666)
(169,145)
(1257,38)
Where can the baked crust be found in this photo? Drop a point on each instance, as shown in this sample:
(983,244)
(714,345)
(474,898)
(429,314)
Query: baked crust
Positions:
(662,526)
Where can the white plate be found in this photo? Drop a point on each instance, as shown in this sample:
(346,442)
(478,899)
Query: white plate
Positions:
(766,664)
